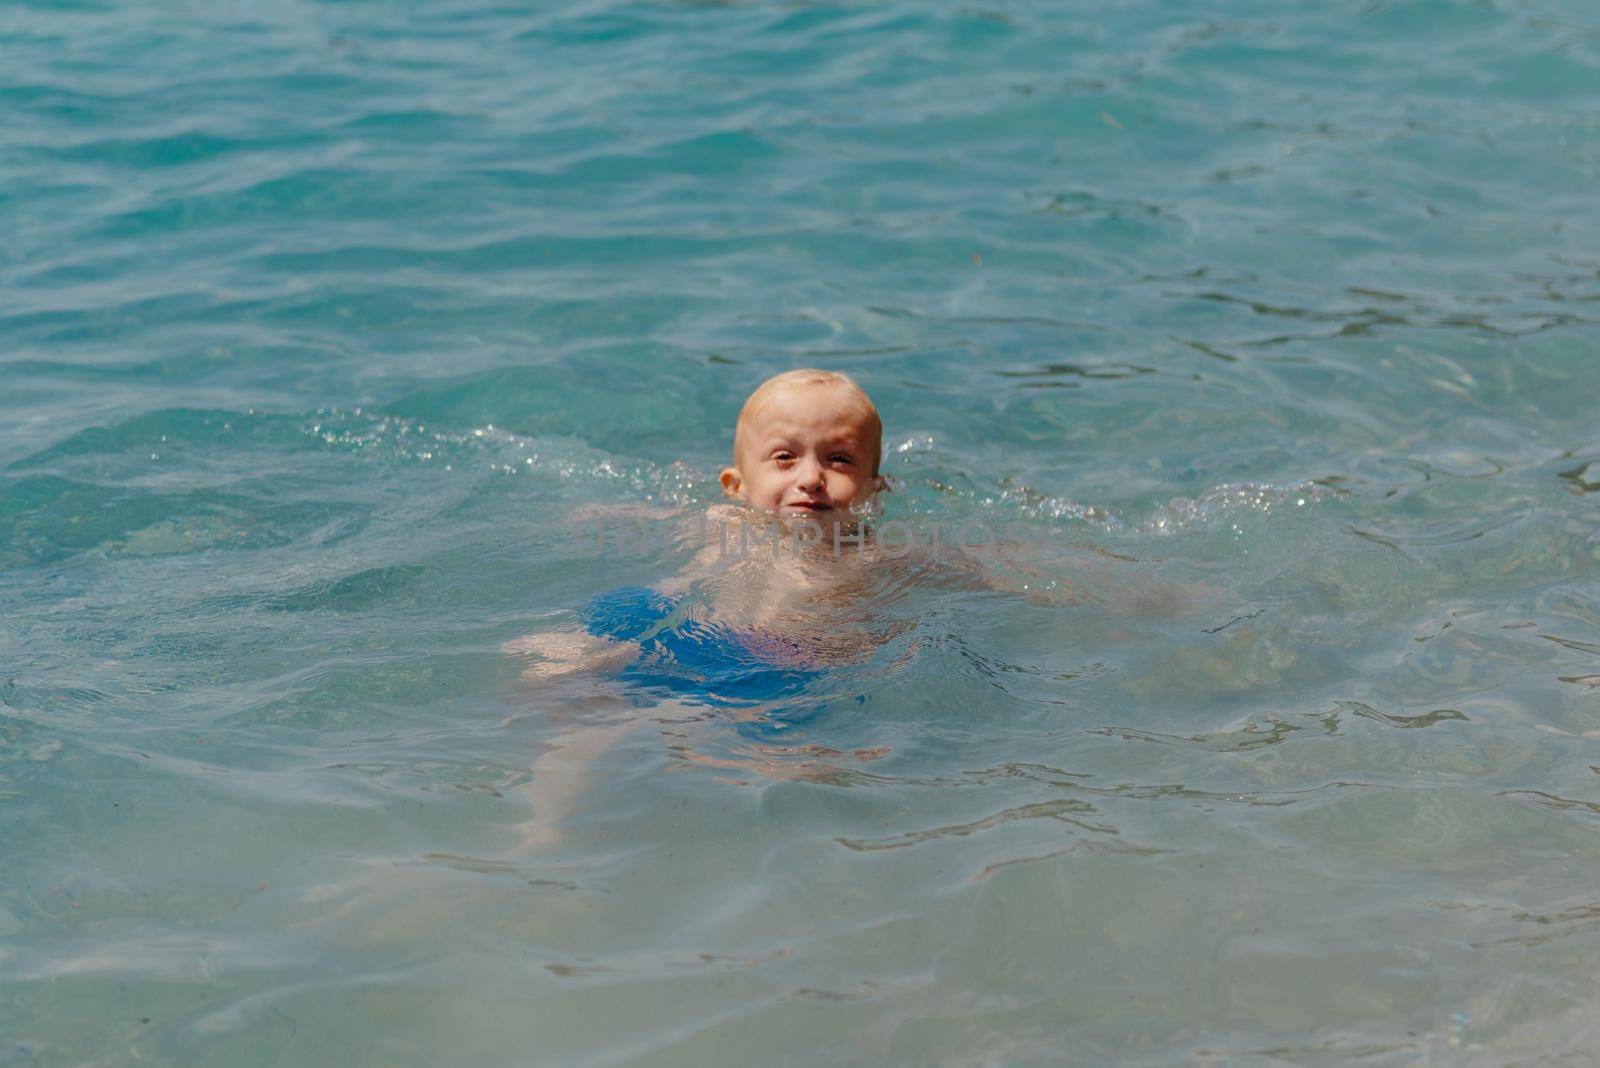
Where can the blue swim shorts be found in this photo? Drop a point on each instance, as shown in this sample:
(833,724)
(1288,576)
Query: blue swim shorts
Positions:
(694,659)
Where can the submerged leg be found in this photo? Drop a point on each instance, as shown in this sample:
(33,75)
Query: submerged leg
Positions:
(568,652)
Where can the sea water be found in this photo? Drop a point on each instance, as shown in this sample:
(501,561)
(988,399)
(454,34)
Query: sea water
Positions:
(319,323)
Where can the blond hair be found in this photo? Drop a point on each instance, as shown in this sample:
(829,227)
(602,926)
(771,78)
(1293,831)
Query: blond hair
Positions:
(812,376)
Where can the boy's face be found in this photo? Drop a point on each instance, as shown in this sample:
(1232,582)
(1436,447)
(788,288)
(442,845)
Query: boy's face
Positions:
(807,450)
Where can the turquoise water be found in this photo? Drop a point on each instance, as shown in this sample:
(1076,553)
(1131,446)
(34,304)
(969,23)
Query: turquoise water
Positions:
(318,320)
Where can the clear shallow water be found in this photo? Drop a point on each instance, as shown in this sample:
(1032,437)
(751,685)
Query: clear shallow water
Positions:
(315,319)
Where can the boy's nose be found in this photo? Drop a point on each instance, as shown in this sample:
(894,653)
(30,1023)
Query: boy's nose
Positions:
(810,476)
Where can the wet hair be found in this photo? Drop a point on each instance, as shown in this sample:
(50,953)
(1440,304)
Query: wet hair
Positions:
(811,376)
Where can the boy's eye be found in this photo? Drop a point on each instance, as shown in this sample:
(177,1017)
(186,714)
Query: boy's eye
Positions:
(783,457)
(840,458)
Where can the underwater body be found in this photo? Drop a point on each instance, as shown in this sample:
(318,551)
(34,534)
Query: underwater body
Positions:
(1260,335)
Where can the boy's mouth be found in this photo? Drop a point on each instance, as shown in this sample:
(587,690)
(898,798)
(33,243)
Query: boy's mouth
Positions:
(810,507)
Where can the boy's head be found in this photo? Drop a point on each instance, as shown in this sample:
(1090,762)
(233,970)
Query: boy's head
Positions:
(807,442)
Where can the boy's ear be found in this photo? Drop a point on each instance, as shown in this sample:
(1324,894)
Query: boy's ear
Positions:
(732,484)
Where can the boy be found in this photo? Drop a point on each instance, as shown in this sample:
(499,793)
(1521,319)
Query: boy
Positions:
(806,448)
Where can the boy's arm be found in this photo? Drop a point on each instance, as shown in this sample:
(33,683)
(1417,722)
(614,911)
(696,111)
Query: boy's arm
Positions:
(1086,576)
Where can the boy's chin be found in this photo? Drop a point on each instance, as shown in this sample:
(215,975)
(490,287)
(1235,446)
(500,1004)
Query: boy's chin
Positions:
(834,513)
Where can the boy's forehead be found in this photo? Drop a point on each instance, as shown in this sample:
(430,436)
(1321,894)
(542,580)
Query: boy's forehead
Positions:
(795,407)
(845,426)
